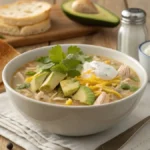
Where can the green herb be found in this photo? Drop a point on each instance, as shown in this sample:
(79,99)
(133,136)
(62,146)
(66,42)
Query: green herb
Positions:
(2,37)
(46,67)
(44,60)
(133,88)
(134,79)
(74,50)
(79,67)
(73,73)
(125,86)
(71,63)
(78,57)
(23,86)
(56,54)
(88,58)
(30,73)
(60,68)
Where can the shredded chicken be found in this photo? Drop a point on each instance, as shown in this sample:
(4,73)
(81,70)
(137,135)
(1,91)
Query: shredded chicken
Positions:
(20,76)
(124,71)
(27,93)
(103,98)
(42,96)
(52,96)
(59,98)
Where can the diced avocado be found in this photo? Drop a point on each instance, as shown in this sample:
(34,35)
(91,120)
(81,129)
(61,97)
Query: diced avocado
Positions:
(69,87)
(84,95)
(37,81)
(52,81)
(103,18)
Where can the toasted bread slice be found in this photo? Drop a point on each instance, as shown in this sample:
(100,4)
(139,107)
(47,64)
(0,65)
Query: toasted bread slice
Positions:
(36,28)
(9,29)
(25,30)
(25,12)
(7,52)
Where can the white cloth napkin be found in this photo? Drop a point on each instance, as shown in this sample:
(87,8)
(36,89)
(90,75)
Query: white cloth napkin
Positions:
(20,131)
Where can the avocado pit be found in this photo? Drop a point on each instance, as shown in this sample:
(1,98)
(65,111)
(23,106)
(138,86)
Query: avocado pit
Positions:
(84,6)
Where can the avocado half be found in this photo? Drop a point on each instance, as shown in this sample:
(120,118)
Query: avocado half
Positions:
(104,18)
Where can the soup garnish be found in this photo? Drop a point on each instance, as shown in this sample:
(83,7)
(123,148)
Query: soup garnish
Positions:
(74,78)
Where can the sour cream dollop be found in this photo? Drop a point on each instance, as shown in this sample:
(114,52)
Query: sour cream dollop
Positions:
(100,69)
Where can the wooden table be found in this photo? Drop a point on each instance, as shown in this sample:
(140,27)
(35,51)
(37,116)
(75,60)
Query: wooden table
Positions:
(105,37)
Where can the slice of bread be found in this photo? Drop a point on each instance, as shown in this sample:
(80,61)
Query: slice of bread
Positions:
(25,12)
(25,30)
(36,28)
(7,52)
(8,29)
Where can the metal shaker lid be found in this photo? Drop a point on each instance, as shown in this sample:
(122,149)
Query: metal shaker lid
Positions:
(133,16)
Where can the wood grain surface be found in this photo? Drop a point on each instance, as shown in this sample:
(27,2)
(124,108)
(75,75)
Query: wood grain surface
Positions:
(62,28)
(104,37)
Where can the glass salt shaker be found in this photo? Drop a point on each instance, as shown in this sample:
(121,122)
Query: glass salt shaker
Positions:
(132,32)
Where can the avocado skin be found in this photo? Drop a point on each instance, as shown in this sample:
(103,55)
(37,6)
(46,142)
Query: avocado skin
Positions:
(89,21)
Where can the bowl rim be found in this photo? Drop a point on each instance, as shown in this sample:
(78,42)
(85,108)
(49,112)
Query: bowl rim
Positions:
(66,106)
(140,47)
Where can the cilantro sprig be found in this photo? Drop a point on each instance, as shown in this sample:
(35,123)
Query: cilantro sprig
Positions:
(69,62)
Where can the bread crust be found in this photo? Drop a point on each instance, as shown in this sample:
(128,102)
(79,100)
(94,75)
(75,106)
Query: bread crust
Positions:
(25,30)
(7,53)
(25,12)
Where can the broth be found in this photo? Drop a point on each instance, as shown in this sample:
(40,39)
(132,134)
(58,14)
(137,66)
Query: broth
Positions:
(91,87)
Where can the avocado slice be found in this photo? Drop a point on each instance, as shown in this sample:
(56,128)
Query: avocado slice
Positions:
(69,87)
(84,95)
(103,18)
(37,80)
(52,81)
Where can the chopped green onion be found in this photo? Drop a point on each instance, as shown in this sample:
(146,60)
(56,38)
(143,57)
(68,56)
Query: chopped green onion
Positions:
(30,73)
(23,86)
(125,86)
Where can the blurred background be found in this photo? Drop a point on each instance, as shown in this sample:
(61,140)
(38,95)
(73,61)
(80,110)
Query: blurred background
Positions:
(50,1)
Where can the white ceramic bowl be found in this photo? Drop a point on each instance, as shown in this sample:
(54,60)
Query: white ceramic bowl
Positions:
(143,58)
(73,120)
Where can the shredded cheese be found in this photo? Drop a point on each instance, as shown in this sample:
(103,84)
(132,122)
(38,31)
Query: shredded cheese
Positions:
(97,84)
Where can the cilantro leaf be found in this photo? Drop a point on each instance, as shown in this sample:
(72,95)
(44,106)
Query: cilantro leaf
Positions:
(74,50)
(81,58)
(60,68)
(23,86)
(79,67)
(44,60)
(71,63)
(46,66)
(88,58)
(30,73)
(56,54)
(73,73)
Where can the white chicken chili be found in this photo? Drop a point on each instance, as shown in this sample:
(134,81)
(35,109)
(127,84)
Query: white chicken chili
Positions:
(74,78)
